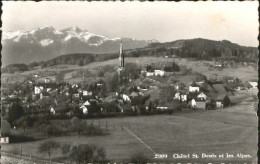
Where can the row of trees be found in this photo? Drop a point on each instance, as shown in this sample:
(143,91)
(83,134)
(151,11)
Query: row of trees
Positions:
(83,153)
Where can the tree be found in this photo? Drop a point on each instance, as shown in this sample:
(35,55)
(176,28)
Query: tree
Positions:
(114,83)
(167,93)
(47,147)
(132,70)
(15,113)
(139,158)
(86,153)
(26,121)
(5,128)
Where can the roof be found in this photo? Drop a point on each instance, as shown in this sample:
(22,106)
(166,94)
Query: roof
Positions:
(221,96)
(220,88)
(253,80)
(134,94)
(194,84)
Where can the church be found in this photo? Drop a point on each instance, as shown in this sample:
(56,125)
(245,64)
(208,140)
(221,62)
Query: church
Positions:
(121,61)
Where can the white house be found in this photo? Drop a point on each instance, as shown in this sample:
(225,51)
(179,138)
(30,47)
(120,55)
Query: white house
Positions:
(159,72)
(180,96)
(193,103)
(219,104)
(86,93)
(194,87)
(48,89)
(177,87)
(254,83)
(149,73)
(38,89)
(183,97)
(202,96)
(125,97)
(177,96)
(4,140)
(52,111)
(162,107)
(86,103)
(76,95)
(75,86)
(47,80)
(84,109)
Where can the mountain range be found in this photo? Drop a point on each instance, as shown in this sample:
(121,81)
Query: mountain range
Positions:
(40,44)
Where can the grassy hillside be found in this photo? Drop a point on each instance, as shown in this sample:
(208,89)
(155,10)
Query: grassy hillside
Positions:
(200,49)
(73,73)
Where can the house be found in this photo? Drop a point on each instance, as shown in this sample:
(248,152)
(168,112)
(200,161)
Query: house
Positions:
(177,87)
(4,140)
(202,96)
(44,94)
(222,101)
(143,70)
(194,87)
(134,94)
(52,111)
(76,95)
(86,103)
(218,65)
(47,80)
(126,97)
(253,83)
(177,96)
(84,109)
(86,93)
(38,89)
(184,97)
(193,103)
(149,74)
(161,108)
(201,104)
(230,79)
(75,86)
(159,72)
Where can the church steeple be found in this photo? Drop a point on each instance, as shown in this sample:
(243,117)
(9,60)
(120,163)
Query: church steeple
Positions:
(121,56)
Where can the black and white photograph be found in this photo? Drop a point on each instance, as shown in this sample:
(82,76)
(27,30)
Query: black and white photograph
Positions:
(129,82)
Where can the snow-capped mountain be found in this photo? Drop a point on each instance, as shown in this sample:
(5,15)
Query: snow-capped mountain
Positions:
(25,46)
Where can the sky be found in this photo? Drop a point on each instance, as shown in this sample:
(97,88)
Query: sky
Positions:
(163,21)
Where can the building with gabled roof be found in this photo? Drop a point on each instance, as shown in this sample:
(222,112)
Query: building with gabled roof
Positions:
(222,101)
(194,87)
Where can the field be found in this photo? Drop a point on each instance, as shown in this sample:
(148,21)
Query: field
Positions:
(231,130)
(242,72)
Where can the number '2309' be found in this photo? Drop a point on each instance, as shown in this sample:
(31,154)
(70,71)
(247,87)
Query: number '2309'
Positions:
(160,156)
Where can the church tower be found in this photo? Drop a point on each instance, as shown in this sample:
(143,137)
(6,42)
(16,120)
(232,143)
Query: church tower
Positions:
(121,62)
(121,56)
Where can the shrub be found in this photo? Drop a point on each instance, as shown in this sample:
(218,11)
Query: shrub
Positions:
(54,131)
(139,158)
(87,153)
(20,138)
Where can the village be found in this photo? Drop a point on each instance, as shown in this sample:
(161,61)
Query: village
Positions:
(152,89)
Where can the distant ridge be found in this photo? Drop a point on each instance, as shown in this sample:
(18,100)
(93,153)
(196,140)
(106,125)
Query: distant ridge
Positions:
(26,46)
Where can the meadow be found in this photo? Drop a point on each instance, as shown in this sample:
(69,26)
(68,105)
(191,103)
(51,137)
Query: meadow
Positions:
(230,130)
(242,72)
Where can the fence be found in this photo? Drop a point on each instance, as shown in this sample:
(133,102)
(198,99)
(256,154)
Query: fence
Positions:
(23,159)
